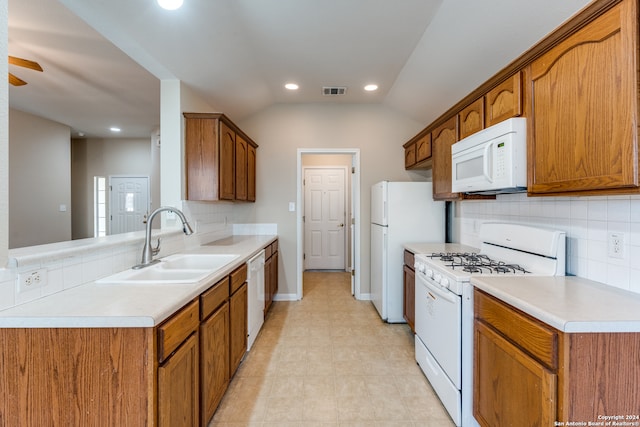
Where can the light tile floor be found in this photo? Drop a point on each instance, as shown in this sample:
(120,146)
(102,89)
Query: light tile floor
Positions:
(328,360)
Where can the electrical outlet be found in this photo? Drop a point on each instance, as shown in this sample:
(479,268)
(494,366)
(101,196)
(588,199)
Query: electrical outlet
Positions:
(32,280)
(616,245)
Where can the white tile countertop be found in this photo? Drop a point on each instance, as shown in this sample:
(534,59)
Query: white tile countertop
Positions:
(429,248)
(115,305)
(568,303)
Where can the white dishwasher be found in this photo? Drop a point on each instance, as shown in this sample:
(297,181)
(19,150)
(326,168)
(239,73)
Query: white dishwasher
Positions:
(255,283)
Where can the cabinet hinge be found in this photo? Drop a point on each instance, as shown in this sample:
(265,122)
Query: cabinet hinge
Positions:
(304,256)
(353,169)
(303,218)
(353,272)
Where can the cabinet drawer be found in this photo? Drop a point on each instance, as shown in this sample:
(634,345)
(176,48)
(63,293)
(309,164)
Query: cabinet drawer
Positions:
(533,336)
(238,277)
(214,297)
(408,259)
(267,252)
(176,329)
(274,247)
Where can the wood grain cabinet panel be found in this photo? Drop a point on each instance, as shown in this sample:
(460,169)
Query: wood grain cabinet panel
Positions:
(471,118)
(510,388)
(443,137)
(179,387)
(584,103)
(251,173)
(410,155)
(504,101)
(238,327)
(241,169)
(409,283)
(227,162)
(423,148)
(214,361)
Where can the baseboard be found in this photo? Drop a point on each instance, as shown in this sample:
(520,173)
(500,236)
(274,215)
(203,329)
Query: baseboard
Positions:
(285,297)
(364,297)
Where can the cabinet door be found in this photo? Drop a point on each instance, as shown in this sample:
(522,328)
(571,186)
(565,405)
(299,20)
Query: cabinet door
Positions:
(444,137)
(242,157)
(504,101)
(268,265)
(423,148)
(410,155)
(214,361)
(251,173)
(274,274)
(509,387)
(583,132)
(201,158)
(178,387)
(238,327)
(471,119)
(409,283)
(227,162)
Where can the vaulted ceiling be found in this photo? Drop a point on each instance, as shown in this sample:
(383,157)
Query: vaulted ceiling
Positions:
(103,60)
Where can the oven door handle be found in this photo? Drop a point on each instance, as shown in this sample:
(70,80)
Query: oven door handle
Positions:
(444,294)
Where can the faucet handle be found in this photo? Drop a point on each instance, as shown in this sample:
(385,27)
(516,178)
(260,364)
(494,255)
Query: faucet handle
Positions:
(154,251)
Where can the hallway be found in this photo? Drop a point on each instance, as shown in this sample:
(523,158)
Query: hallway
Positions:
(328,360)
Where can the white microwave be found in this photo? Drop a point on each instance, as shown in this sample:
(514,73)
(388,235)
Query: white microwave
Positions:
(491,161)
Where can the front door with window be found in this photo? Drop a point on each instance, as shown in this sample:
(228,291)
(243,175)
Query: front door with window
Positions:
(128,203)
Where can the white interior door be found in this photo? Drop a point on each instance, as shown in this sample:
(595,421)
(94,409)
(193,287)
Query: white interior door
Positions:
(324,218)
(128,203)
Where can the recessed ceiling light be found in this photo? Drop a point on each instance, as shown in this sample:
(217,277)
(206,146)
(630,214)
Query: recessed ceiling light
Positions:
(371,88)
(114,129)
(170,4)
(291,86)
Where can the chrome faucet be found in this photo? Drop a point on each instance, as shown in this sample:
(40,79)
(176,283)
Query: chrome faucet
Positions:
(148,251)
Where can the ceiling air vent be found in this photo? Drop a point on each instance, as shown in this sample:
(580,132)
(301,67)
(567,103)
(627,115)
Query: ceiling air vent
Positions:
(334,91)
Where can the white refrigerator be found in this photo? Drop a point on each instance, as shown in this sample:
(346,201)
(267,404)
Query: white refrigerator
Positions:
(401,212)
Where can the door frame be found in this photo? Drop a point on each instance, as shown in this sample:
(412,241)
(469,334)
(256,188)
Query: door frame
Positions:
(355,212)
(347,211)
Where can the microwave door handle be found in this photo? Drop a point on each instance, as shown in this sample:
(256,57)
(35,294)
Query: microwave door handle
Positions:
(485,162)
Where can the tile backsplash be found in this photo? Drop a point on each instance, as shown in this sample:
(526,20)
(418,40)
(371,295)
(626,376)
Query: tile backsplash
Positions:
(73,263)
(588,221)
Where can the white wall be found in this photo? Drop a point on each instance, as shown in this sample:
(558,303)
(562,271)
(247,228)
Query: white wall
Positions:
(588,221)
(281,129)
(39,180)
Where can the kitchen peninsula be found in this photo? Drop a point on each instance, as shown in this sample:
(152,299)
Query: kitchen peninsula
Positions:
(106,354)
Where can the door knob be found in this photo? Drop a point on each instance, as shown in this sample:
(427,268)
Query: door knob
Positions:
(341,225)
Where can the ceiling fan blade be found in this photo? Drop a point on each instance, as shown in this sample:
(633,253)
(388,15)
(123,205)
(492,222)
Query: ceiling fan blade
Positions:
(24,63)
(16,81)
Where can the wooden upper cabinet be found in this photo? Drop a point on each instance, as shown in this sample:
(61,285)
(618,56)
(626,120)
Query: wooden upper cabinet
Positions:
(409,155)
(417,152)
(241,158)
(227,162)
(423,148)
(504,101)
(471,118)
(220,160)
(251,173)
(584,101)
(443,137)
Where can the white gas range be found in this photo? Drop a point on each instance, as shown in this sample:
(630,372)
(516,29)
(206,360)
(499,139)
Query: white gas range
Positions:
(444,303)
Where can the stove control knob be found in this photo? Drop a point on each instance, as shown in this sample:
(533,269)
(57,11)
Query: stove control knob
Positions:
(444,282)
(437,278)
(429,272)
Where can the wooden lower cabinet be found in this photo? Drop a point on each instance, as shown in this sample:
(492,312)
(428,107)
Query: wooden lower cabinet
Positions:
(409,283)
(178,387)
(527,373)
(512,389)
(238,327)
(214,361)
(270,274)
